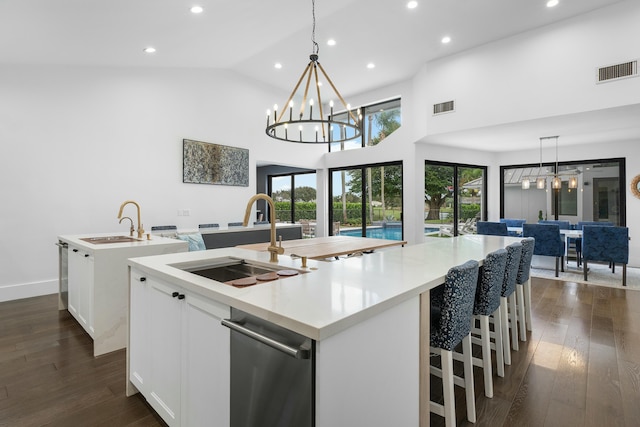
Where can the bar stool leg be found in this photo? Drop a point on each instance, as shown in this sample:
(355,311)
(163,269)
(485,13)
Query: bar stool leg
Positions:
(521,312)
(513,320)
(468,379)
(527,303)
(497,334)
(504,328)
(486,356)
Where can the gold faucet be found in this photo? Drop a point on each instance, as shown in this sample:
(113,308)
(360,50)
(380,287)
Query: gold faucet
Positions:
(273,249)
(140,229)
(131,230)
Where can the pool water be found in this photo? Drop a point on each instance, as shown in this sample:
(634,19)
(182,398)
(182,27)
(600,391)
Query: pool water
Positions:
(389,233)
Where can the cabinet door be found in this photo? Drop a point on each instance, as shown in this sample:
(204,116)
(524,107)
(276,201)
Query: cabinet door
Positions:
(205,397)
(81,288)
(74,273)
(138,349)
(165,346)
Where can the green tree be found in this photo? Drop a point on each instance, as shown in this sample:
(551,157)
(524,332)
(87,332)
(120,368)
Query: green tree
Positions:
(438,185)
(305,194)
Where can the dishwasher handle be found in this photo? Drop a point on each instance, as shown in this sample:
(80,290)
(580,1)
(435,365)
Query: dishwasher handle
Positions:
(298,353)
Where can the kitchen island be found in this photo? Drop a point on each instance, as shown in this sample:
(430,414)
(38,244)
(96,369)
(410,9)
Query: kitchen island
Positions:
(368,317)
(97,278)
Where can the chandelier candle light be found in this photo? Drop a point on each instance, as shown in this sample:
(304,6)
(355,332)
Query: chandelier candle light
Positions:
(318,128)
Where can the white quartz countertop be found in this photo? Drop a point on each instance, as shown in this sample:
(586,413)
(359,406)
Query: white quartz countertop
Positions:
(76,240)
(332,296)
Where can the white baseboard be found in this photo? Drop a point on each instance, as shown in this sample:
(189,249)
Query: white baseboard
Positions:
(28,290)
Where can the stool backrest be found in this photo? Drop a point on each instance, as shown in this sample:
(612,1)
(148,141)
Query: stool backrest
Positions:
(524,271)
(459,290)
(490,278)
(514,254)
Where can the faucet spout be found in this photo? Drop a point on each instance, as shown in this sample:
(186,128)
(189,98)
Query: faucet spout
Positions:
(273,249)
(140,229)
(131,230)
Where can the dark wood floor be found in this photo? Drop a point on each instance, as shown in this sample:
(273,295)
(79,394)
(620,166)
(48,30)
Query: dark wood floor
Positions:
(579,367)
(48,375)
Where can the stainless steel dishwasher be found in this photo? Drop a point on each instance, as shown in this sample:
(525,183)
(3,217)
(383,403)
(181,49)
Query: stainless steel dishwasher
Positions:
(272,374)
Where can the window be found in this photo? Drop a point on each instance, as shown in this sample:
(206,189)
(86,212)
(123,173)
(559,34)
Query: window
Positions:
(378,122)
(294,196)
(454,194)
(366,201)
(599,195)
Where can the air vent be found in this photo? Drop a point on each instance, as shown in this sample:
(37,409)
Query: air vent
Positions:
(618,71)
(443,107)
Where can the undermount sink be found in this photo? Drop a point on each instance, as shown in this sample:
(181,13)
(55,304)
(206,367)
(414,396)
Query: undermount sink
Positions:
(239,272)
(110,239)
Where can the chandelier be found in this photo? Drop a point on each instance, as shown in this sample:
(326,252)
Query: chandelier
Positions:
(556,177)
(303,125)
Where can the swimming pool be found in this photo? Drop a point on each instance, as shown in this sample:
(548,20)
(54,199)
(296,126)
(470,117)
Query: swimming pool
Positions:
(389,233)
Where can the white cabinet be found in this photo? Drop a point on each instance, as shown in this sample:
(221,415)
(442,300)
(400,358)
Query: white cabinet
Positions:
(179,352)
(80,279)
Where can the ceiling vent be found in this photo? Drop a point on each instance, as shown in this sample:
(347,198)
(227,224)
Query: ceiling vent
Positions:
(618,71)
(444,107)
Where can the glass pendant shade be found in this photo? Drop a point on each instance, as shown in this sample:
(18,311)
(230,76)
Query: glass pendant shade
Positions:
(526,184)
(541,183)
(573,181)
(557,183)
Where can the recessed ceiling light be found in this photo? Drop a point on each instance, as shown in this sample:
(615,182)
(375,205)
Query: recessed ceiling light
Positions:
(278,65)
(197,9)
(331,42)
(446,39)
(412,4)
(149,49)
(371,65)
(552,3)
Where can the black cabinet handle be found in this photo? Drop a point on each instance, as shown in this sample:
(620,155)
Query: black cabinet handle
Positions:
(181,296)
(75,250)
(175,294)
(143,279)
(86,255)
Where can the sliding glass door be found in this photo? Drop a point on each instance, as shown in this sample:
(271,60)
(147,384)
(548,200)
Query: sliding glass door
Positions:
(366,201)
(455,198)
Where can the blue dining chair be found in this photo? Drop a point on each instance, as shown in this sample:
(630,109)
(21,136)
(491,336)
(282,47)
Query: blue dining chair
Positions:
(607,244)
(513,222)
(492,228)
(523,288)
(579,226)
(564,225)
(508,311)
(487,304)
(451,312)
(549,242)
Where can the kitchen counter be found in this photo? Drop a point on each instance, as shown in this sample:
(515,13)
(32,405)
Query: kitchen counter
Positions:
(368,316)
(332,296)
(98,279)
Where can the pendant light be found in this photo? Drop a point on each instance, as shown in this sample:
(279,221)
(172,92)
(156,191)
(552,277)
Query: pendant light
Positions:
(305,126)
(541,181)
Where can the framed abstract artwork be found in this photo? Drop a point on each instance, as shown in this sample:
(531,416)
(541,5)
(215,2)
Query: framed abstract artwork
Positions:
(206,163)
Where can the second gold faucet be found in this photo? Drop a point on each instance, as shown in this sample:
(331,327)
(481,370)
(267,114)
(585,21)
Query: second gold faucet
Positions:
(140,229)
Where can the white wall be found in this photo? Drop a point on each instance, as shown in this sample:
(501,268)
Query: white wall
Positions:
(77,142)
(542,73)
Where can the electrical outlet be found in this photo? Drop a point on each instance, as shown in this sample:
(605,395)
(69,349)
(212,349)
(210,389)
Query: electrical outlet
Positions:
(186,212)
(179,212)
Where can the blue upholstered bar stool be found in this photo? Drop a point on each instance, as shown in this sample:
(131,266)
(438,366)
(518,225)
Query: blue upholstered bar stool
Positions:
(492,228)
(523,288)
(508,310)
(487,303)
(451,312)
